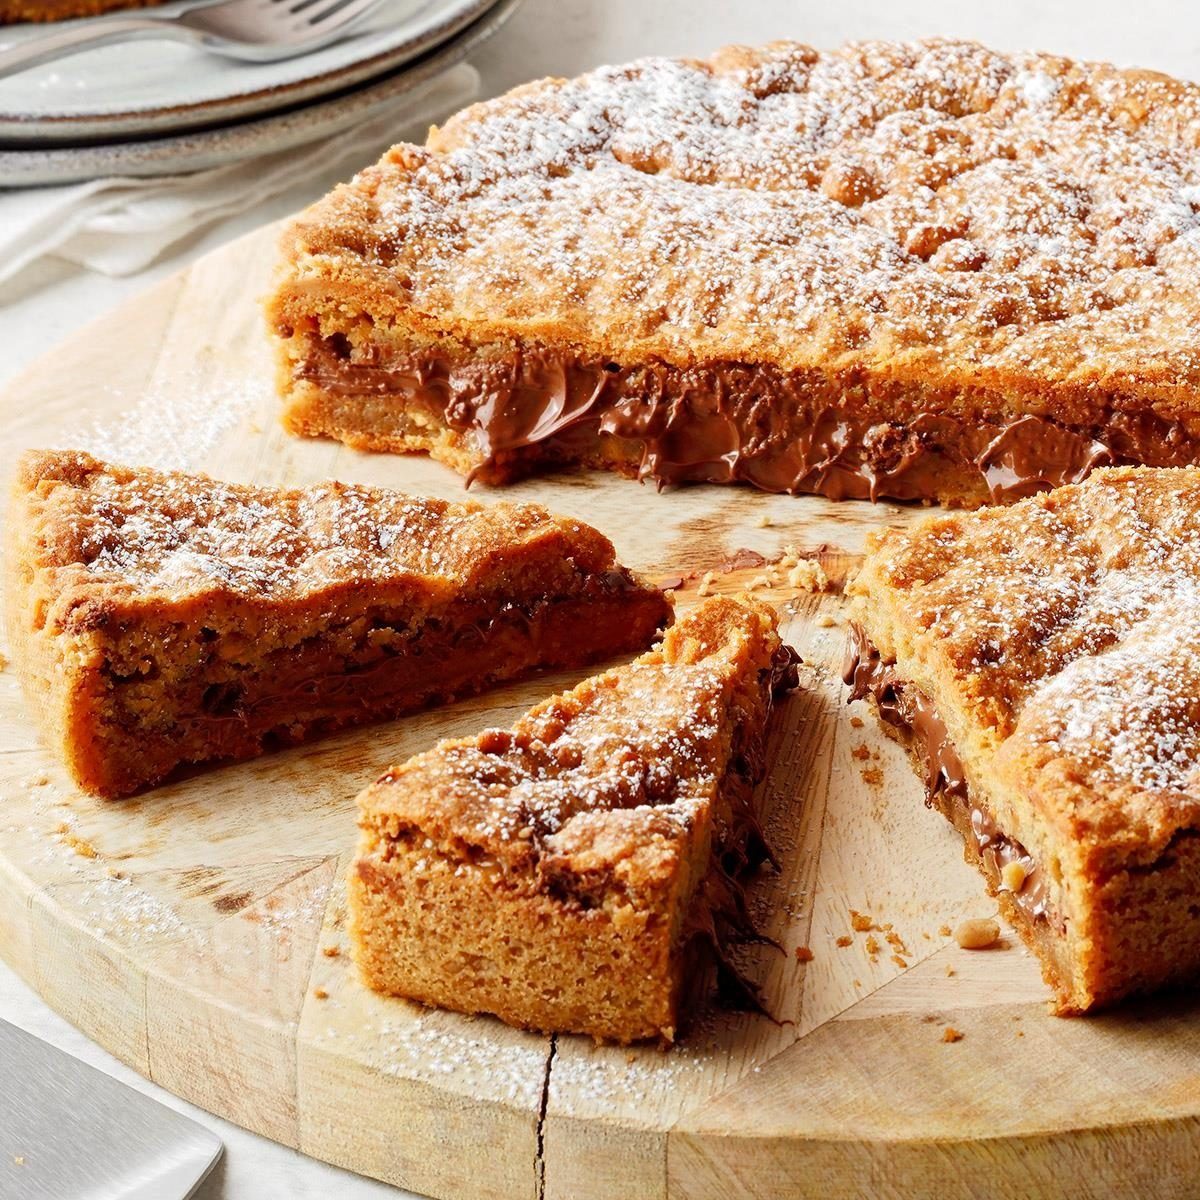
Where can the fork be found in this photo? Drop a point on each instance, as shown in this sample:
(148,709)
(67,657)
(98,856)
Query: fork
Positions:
(250,30)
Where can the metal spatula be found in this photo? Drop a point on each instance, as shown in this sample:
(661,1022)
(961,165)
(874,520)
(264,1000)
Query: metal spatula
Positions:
(68,1130)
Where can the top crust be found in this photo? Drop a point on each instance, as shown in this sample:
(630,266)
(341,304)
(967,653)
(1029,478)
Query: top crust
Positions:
(605,781)
(101,537)
(1060,639)
(932,212)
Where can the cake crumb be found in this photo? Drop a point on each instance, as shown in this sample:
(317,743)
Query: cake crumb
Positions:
(809,576)
(706,583)
(845,940)
(862,752)
(3,660)
(331,951)
(857,723)
(83,848)
(895,940)
(804,954)
(977,933)
(950,1034)
(944,930)
(860,922)
(872,945)
(320,994)
(950,971)
(18,1160)
(900,962)
(759,581)
(825,621)
(764,522)
(872,776)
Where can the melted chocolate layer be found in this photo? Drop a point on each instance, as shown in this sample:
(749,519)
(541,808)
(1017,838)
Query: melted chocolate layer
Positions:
(907,708)
(782,431)
(719,917)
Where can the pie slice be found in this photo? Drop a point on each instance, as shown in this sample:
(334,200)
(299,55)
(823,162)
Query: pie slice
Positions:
(919,270)
(1043,663)
(163,619)
(572,873)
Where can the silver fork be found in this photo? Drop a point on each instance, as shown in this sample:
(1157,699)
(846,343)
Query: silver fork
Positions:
(251,30)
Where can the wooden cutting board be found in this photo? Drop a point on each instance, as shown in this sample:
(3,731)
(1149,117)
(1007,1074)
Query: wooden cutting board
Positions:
(198,933)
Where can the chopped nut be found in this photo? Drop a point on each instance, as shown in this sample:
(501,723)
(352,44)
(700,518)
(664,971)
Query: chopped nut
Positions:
(803,954)
(977,934)
(950,1034)
(1013,876)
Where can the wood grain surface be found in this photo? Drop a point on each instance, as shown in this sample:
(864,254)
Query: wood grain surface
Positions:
(198,931)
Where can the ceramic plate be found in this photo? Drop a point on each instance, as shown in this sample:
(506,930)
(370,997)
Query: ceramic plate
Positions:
(141,88)
(198,151)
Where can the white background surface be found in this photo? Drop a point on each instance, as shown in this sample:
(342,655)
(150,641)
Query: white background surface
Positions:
(562,37)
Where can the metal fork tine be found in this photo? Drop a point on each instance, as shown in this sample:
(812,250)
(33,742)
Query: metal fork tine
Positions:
(341,11)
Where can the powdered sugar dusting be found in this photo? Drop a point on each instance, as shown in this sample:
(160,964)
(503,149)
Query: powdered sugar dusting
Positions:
(1028,212)
(179,533)
(1073,622)
(175,429)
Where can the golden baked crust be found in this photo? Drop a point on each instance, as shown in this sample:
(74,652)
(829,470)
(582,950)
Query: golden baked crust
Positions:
(923,239)
(560,873)
(1059,641)
(13,11)
(162,618)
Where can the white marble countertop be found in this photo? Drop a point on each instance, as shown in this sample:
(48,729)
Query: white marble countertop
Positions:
(49,300)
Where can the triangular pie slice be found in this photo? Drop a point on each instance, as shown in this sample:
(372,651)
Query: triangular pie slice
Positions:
(1043,663)
(160,619)
(571,873)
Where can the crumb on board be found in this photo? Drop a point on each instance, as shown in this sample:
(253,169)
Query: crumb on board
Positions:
(944,930)
(872,776)
(18,1160)
(825,621)
(706,583)
(872,944)
(895,940)
(856,722)
(82,847)
(3,660)
(860,922)
(978,933)
(804,954)
(950,971)
(759,581)
(845,940)
(764,521)
(809,576)
(319,993)
(862,752)
(331,951)
(950,1034)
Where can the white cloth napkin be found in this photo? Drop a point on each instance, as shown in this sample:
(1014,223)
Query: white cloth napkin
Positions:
(118,226)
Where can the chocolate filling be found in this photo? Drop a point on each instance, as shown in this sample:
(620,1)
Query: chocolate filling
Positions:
(782,431)
(907,708)
(719,917)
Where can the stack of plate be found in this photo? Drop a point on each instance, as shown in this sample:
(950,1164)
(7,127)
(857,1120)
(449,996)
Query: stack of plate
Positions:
(156,107)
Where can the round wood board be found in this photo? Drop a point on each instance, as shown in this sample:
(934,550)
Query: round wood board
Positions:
(197,932)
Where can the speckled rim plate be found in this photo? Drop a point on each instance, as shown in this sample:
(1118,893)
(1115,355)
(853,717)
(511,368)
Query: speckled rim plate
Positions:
(144,88)
(199,151)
